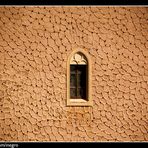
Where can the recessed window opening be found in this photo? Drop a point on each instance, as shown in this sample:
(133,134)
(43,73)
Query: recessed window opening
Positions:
(78,82)
(78,79)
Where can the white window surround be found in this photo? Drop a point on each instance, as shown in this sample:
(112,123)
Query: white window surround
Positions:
(79,56)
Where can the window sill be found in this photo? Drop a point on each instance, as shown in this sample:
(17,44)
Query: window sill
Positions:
(78,102)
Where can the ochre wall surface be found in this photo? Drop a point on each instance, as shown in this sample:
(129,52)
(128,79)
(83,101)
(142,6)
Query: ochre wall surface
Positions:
(35,43)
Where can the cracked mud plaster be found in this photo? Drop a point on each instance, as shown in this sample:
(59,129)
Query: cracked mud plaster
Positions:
(34,46)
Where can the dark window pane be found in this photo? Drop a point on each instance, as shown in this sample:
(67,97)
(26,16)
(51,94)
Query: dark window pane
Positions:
(78,81)
(81,68)
(81,75)
(73,80)
(73,93)
(81,80)
(73,68)
(82,93)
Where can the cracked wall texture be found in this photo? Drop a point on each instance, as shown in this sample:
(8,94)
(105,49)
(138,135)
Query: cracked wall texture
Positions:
(34,46)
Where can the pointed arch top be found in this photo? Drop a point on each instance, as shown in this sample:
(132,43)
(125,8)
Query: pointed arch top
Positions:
(79,56)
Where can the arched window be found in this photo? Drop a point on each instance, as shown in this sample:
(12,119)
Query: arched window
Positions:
(79,79)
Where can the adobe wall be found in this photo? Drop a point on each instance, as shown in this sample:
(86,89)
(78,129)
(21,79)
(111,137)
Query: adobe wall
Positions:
(35,43)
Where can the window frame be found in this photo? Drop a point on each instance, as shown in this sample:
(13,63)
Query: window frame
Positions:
(77,85)
(88,100)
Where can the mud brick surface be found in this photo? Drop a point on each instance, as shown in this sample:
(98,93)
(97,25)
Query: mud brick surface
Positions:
(35,43)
